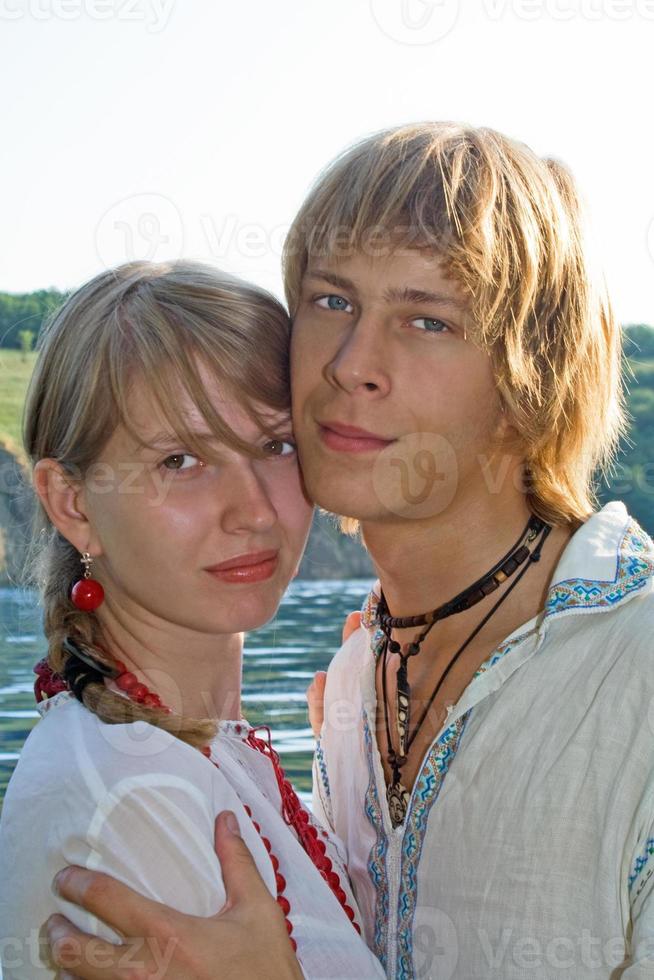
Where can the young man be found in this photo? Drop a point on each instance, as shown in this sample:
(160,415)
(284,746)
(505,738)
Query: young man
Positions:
(486,755)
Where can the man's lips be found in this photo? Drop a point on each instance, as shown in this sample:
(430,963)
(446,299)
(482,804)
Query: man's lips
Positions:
(350,438)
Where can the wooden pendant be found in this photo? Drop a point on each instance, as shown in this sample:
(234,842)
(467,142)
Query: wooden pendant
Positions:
(398,800)
(403,700)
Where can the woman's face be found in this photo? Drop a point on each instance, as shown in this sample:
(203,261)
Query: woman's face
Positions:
(163,519)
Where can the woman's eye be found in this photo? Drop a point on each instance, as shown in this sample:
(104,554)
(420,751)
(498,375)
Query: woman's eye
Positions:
(280,447)
(333,302)
(429,324)
(176,461)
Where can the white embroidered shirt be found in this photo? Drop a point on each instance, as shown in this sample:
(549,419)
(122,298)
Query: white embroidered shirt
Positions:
(528,848)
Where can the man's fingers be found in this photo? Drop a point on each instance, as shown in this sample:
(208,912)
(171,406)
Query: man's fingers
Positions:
(89,958)
(352,624)
(125,910)
(240,875)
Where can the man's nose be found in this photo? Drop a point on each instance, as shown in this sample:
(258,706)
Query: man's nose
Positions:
(360,363)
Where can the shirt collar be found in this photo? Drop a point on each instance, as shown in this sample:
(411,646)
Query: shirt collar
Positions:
(608,560)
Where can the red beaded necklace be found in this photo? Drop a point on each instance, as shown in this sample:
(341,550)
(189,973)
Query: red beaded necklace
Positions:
(298,818)
(295,815)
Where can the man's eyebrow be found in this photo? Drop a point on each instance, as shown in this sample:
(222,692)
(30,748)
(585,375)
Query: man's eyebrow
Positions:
(339,281)
(409,295)
(393,294)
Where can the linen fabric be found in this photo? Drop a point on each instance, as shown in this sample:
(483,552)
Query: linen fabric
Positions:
(139,804)
(528,847)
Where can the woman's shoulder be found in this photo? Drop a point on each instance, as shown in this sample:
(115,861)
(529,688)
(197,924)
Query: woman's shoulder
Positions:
(71,753)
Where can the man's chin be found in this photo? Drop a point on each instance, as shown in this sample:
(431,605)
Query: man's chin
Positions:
(345,509)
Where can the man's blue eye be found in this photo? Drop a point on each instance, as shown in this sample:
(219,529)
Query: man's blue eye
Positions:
(431,325)
(333,302)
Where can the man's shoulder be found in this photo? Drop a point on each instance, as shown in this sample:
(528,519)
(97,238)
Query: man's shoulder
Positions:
(352,656)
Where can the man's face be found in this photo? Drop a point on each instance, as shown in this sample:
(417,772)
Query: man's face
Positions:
(384,345)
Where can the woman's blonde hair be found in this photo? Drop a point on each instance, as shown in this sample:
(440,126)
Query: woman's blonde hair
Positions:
(509,227)
(153,325)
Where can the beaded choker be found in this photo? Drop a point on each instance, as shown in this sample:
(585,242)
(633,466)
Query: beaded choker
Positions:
(397,794)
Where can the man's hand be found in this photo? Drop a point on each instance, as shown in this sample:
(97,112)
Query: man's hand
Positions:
(316,689)
(247,938)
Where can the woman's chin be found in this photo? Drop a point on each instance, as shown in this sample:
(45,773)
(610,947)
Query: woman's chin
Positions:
(250,610)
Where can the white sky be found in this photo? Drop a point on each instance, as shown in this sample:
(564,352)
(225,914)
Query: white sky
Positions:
(155,128)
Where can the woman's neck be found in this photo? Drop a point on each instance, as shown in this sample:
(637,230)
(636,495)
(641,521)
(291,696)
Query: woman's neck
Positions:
(197,675)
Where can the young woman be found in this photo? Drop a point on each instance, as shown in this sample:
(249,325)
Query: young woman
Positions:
(172,518)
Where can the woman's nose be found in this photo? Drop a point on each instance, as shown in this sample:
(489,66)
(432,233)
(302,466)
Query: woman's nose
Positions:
(248,507)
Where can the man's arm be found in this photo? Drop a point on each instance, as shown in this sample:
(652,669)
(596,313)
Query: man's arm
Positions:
(247,938)
(641,895)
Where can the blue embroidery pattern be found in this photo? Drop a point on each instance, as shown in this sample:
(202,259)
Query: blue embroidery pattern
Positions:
(427,788)
(377,859)
(641,861)
(633,568)
(324,778)
(425,793)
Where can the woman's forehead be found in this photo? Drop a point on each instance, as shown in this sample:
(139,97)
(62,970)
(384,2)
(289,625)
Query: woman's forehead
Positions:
(149,422)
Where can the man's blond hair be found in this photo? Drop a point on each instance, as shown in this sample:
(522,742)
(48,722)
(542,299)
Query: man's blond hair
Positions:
(509,228)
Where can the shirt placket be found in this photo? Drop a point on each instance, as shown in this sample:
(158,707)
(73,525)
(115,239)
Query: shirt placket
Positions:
(525,644)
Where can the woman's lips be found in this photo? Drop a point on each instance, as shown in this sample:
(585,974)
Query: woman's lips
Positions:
(247,568)
(349,439)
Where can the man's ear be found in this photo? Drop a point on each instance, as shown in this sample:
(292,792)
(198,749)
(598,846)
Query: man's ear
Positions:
(62,499)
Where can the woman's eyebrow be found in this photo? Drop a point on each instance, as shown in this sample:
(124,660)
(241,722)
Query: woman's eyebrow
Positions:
(167,438)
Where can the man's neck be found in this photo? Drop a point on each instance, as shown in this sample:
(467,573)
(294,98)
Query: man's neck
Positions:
(424,564)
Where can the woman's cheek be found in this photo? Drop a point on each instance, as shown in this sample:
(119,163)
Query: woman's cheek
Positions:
(295,512)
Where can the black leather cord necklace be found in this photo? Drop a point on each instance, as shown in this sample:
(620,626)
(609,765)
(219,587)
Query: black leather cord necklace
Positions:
(396,793)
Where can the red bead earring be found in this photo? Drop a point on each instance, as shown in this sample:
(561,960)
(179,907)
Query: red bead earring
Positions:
(87,594)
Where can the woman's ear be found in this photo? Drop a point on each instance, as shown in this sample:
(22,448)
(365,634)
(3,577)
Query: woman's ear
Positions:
(62,498)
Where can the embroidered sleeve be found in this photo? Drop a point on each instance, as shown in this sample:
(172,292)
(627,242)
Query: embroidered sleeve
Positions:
(641,879)
(641,898)
(322,804)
